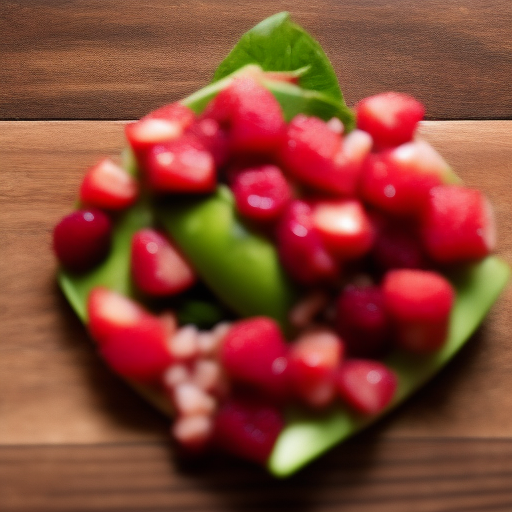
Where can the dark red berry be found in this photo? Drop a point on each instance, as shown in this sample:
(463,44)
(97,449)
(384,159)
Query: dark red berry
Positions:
(362,320)
(261,193)
(81,240)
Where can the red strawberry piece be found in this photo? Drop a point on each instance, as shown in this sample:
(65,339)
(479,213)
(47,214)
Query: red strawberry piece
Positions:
(302,253)
(458,225)
(362,320)
(313,358)
(108,186)
(214,139)
(344,227)
(182,165)
(390,118)
(419,303)
(308,155)
(261,194)
(158,268)
(251,115)
(254,353)
(399,180)
(397,244)
(131,340)
(365,385)
(164,124)
(81,240)
(248,428)
(349,160)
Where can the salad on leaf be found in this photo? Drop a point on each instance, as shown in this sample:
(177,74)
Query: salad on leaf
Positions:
(271,268)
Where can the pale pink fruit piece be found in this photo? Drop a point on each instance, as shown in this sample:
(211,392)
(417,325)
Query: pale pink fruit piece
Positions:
(175,375)
(301,250)
(391,118)
(183,165)
(367,386)
(254,353)
(193,432)
(131,340)
(399,180)
(362,320)
(209,342)
(209,376)
(250,114)
(312,361)
(261,193)
(108,186)
(248,428)
(157,267)
(344,227)
(458,225)
(419,303)
(184,345)
(81,240)
(189,399)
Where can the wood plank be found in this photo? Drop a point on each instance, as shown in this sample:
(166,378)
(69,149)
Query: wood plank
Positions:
(53,387)
(364,475)
(118,59)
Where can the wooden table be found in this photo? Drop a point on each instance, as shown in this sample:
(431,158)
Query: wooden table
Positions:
(72,436)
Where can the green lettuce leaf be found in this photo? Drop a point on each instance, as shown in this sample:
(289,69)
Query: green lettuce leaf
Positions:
(278,44)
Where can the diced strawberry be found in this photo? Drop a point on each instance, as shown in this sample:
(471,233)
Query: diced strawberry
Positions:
(254,353)
(308,155)
(390,118)
(108,186)
(251,114)
(131,340)
(182,165)
(158,268)
(349,160)
(214,139)
(367,386)
(81,240)
(261,194)
(399,180)
(397,244)
(162,125)
(300,247)
(313,357)
(362,321)
(248,428)
(344,227)
(458,225)
(419,303)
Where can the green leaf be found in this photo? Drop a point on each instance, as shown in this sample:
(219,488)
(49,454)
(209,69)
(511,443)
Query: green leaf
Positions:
(277,44)
(307,436)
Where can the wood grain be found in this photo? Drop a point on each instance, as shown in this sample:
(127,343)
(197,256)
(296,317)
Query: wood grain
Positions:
(118,59)
(73,437)
(364,475)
